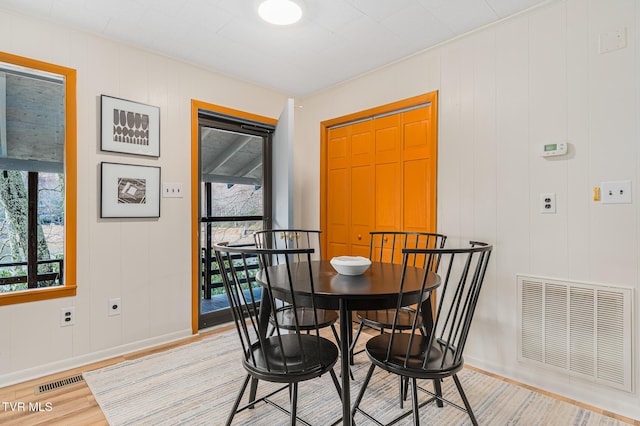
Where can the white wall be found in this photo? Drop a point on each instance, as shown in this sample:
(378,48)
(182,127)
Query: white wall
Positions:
(503,91)
(145,262)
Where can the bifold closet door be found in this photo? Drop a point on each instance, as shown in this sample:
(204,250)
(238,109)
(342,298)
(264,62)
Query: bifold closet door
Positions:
(381,175)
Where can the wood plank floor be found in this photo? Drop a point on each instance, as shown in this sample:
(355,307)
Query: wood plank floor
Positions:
(74,405)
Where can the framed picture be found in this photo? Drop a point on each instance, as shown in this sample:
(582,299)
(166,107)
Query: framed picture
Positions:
(129,191)
(129,127)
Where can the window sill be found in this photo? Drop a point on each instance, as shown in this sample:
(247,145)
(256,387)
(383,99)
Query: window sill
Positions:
(34,295)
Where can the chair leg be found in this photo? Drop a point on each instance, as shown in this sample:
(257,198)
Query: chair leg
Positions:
(404,390)
(355,339)
(293,389)
(437,387)
(253,391)
(362,389)
(238,399)
(335,334)
(414,401)
(334,377)
(465,400)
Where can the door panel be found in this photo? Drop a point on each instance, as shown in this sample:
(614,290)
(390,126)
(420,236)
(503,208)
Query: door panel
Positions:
(417,195)
(362,196)
(387,196)
(416,128)
(362,143)
(419,171)
(337,210)
(338,148)
(360,250)
(362,204)
(338,164)
(388,139)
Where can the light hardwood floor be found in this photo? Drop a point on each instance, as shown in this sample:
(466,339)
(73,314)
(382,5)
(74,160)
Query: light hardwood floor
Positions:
(74,405)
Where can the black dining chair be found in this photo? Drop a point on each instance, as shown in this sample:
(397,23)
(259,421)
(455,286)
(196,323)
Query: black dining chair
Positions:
(287,357)
(296,239)
(438,355)
(387,247)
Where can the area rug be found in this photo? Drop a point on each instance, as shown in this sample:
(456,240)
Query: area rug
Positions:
(196,384)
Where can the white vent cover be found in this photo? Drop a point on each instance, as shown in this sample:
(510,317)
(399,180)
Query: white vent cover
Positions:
(580,329)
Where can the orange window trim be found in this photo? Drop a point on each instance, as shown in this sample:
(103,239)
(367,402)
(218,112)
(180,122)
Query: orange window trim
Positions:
(71,204)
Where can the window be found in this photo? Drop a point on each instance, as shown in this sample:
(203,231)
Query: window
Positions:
(37,180)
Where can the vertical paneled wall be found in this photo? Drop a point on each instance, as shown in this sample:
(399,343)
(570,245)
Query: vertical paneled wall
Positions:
(144,262)
(504,91)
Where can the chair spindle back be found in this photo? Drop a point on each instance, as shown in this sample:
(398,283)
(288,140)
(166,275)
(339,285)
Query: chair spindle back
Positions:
(282,352)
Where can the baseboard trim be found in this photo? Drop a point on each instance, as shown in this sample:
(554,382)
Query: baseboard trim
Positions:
(90,358)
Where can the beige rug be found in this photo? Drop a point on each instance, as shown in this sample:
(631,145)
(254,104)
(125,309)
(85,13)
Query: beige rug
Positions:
(196,384)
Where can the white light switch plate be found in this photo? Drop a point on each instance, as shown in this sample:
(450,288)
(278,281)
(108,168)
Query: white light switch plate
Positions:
(613,40)
(172,190)
(618,192)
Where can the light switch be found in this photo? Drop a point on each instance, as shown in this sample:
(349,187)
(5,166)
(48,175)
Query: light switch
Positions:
(618,192)
(613,40)
(172,190)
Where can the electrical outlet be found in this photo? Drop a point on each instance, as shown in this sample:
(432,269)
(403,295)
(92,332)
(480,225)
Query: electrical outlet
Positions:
(548,202)
(115,307)
(618,192)
(67,316)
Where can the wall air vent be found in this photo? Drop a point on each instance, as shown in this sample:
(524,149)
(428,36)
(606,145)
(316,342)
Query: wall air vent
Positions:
(580,329)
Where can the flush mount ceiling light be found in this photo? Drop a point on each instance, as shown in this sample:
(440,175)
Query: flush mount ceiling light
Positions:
(280,12)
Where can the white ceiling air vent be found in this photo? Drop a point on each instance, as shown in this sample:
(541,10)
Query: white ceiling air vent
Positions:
(580,329)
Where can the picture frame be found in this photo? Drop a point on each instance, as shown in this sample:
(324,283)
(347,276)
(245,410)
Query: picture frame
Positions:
(129,191)
(129,127)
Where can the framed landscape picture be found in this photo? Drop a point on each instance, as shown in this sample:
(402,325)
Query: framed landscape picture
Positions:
(129,127)
(129,191)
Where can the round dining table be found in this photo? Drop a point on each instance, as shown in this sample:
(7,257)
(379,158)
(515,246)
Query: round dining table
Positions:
(377,288)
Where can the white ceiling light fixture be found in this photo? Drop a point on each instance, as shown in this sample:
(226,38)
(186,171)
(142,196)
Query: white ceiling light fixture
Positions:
(280,12)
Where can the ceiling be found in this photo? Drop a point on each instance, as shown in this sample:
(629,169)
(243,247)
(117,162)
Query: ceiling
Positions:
(336,39)
(230,157)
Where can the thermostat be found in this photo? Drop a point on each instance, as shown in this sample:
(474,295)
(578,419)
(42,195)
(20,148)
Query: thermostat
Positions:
(552,149)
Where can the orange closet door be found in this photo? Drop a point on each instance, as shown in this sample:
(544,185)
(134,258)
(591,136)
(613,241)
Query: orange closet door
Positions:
(362,187)
(338,199)
(381,176)
(388,177)
(419,170)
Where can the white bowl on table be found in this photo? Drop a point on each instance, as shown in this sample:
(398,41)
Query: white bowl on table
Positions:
(350,265)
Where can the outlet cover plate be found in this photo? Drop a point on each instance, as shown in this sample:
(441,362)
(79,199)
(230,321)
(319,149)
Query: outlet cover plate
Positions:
(548,202)
(115,307)
(67,316)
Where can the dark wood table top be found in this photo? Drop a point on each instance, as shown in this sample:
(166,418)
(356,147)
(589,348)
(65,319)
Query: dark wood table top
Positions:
(377,288)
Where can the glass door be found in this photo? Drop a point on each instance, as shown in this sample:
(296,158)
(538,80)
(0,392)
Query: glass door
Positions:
(235,200)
